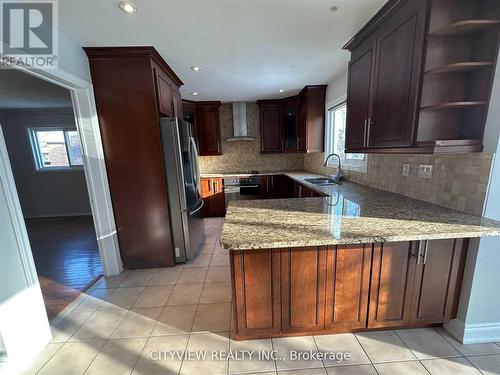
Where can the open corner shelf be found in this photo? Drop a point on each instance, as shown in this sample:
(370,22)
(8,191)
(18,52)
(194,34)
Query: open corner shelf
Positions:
(465,27)
(452,105)
(460,67)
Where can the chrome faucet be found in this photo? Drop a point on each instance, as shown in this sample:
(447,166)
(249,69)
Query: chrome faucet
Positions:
(339,176)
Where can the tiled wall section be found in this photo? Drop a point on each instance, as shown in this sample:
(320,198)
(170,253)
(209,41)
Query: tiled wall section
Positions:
(458,181)
(246,156)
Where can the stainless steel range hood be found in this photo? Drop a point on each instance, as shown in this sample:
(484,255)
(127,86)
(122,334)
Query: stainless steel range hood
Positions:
(240,128)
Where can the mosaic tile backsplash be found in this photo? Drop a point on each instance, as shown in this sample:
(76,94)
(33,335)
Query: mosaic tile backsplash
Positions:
(458,181)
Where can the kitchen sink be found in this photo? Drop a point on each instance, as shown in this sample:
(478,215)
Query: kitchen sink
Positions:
(321,181)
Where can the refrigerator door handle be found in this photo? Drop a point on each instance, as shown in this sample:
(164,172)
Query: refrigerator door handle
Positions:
(196,172)
(197,208)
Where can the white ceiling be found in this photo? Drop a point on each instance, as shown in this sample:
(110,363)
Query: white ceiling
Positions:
(20,90)
(246,47)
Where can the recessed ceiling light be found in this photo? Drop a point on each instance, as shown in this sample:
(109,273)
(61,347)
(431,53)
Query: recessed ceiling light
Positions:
(334,8)
(194,93)
(282,90)
(127,7)
(196,68)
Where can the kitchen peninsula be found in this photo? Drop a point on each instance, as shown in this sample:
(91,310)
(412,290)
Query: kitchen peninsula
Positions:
(356,259)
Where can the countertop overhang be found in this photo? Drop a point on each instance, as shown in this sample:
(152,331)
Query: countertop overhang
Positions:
(351,214)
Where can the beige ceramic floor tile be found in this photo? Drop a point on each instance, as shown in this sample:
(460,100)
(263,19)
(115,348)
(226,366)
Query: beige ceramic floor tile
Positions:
(175,320)
(192,275)
(216,293)
(311,371)
(341,343)
(122,297)
(69,325)
(384,346)
(426,343)
(214,317)
(139,322)
(138,278)
(151,362)
(117,357)
(188,294)
(207,250)
(218,274)
(287,346)
(113,281)
(450,366)
(470,349)
(352,370)
(401,368)
(209,342)
(100,325)
(200,261)
(154,296)
(488,364)
(253,363)
(93,301)
(219,260)
(73,358)
(42,359)
(166,276)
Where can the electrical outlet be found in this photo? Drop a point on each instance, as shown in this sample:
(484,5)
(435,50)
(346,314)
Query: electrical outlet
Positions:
(177,252)
(406,170)
(425,171)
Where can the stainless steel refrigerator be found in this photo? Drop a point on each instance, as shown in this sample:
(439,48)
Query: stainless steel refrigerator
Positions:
(182,172)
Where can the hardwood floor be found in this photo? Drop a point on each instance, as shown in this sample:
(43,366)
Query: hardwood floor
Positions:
(66,258)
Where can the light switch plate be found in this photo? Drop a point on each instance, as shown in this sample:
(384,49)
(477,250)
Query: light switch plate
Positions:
(425,171)
(406,169)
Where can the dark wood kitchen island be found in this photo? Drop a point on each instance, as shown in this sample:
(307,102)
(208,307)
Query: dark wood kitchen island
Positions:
(360,259)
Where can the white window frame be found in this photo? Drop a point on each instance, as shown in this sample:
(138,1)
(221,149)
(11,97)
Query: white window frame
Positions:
(347,164)
(37,153)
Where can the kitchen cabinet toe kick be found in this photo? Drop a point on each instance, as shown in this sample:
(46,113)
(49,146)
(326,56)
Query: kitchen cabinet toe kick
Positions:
(351,288)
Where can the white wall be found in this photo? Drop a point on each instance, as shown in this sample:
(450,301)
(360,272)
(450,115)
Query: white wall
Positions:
(43,194)
(337,87)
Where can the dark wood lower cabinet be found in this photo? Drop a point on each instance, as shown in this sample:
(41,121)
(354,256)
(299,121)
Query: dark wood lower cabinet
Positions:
(256,287)
(393,271)
(438,277)
(347,287)
(316,290)
(303,277)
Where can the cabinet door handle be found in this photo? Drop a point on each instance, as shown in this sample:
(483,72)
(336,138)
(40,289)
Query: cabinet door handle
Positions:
(368,131)
(426,248)
(364,132)
(420,248)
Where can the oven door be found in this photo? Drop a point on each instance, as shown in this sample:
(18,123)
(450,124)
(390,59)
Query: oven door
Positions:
(244,192)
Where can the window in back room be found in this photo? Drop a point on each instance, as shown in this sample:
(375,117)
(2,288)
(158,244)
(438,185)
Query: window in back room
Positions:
(56,149)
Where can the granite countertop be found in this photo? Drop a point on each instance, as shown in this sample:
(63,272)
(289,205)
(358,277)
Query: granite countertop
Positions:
(350,214)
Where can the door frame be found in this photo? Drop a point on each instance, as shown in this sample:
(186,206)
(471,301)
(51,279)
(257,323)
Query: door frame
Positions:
(94,166)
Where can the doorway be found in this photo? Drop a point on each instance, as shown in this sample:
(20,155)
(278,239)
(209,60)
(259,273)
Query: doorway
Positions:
(46,157)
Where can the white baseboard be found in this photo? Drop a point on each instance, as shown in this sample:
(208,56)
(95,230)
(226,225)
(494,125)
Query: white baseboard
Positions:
(473,333)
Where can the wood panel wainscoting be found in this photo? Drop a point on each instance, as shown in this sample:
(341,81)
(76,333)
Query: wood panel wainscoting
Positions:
(348,288)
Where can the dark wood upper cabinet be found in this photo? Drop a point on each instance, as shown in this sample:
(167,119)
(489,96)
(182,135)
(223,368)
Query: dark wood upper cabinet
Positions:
(294,124)
(359,97)
(133,88)
(432,66)
(270,127)
(207,125)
